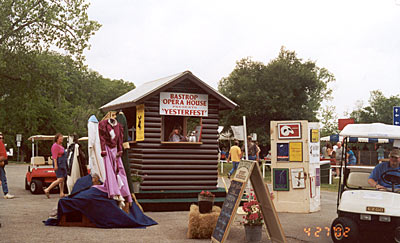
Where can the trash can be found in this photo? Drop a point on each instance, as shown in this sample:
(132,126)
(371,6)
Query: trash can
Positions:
(325,169)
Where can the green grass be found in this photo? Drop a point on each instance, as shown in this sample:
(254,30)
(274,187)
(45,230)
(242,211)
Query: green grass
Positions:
(331,187)
(228,167)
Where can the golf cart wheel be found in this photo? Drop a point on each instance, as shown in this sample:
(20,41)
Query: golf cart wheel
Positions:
(396,234)
(26,184)
(36,187)
(344,229)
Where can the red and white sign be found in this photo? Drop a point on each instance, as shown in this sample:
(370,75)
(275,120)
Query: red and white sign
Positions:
(289,130)
(183,104)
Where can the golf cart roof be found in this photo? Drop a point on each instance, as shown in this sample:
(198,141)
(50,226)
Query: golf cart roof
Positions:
(373,130)
(42,137)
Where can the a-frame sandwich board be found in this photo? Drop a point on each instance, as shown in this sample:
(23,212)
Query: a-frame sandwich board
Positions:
(246,170)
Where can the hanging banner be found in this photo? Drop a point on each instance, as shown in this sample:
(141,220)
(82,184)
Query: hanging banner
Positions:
(238,132)
(183,104)
(140,122)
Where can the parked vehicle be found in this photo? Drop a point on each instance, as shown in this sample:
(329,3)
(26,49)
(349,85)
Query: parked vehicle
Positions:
(361,208)
(40,172)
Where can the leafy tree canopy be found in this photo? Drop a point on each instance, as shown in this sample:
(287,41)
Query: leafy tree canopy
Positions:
(287,88)
(45,93)
(37,25)
(329,121)
(380,109)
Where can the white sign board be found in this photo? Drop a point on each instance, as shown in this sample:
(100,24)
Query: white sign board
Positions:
(298,178)
(314,142)
(183,104)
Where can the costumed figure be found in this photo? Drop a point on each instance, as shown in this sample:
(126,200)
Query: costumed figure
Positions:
(96,163)
(115,182)
(125,159)
(76,163)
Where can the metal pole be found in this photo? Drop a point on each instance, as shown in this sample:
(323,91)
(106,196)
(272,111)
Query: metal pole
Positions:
(245,137)
(33,147)
(17,153)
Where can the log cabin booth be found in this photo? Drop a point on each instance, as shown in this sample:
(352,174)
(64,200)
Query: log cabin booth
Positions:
(174,147)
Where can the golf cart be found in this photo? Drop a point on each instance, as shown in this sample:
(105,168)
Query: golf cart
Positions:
(361,208)
(40,172)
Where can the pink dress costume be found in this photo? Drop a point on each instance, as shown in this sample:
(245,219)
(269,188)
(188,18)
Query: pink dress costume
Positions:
(111,139)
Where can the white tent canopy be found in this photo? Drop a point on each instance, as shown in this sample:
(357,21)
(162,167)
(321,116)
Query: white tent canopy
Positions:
(359,140)
(374,130)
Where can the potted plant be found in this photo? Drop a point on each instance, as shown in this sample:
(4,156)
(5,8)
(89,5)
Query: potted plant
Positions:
(253,220)
(136,180)
(206,201)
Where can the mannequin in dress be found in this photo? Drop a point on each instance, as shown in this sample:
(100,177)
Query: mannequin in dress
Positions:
(115,183)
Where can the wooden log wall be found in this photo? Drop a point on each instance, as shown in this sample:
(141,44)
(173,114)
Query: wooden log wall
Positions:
(177,166)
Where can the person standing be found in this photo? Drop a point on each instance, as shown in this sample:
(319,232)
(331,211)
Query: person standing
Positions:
(251,149)
(338,156)
(59,157)
(235,153)
(328,152)
(3,161)
(350,157)
(381,153)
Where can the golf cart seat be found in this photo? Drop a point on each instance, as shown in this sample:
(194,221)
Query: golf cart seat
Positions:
(39,160)
(358,180)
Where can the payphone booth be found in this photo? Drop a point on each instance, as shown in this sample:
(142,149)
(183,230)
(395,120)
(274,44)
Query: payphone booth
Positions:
(295,170)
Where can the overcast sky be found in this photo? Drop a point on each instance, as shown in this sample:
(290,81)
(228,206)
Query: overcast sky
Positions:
(358,41)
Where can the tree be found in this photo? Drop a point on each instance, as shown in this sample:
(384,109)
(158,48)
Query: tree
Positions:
(380,109)
(288,88)
(37,25)
(52,94)
(328,119)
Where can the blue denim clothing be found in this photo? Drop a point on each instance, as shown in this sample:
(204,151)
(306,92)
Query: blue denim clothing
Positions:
(235,166)
(3,179)
(379,170)
(61,172)
(252,157)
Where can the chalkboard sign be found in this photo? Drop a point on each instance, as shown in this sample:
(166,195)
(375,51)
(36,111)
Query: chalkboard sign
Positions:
(230,205)
(246,170)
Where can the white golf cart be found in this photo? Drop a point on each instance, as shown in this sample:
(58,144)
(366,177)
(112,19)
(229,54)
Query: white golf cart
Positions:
(361,209)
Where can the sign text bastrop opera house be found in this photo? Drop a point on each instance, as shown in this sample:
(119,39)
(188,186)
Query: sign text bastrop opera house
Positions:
(174,129)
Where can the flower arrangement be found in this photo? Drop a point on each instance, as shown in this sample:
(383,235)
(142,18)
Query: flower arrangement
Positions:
(206,194)
(253,213)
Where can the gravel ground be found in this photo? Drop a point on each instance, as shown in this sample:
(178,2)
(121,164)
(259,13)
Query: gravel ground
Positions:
(22,217)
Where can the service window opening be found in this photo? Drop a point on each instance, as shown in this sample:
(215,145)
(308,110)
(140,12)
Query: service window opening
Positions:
(181,129)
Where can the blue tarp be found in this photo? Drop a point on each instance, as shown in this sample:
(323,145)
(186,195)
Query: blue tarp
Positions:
(99,209)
